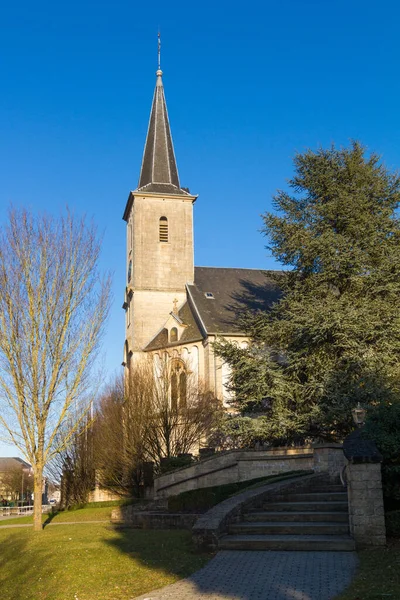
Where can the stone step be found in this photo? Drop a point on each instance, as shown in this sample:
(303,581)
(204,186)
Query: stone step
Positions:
(306,506)
(338,543)
(327,488)
(291,528)
(307,516)
(316,497)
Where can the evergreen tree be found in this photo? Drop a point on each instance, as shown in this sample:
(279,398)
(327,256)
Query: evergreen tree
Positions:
(333,338)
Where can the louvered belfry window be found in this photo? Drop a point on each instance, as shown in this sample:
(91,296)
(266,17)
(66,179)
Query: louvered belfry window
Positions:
(163,229)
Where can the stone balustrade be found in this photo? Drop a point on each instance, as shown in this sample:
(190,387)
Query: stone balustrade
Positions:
(232,467)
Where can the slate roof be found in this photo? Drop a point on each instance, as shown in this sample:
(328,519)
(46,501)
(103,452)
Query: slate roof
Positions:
(9,464)
(159,173)
(191,332)
(234,290)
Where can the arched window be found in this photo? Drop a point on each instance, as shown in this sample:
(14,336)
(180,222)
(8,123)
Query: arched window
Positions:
(182,389)
(163,229)
(130,271)
(173,335)
(178,385)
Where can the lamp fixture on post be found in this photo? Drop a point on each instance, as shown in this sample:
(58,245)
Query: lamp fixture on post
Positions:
(359,414)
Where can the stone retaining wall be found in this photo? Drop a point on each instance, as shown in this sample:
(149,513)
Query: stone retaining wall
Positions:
(329,458)
(128,516)
(231,467)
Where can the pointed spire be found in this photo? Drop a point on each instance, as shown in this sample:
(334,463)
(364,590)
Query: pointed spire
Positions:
(159,173)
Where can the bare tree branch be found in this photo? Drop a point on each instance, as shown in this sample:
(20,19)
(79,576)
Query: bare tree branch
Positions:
(53,307)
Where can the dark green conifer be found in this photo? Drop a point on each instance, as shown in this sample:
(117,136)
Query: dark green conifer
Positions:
(333,339)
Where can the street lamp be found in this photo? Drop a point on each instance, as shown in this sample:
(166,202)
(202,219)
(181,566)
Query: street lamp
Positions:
(22,484)
(359,414)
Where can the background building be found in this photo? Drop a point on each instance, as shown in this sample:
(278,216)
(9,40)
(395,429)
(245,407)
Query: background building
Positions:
(16,479)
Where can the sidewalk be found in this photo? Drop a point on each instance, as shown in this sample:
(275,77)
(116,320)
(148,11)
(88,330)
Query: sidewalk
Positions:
(263,575)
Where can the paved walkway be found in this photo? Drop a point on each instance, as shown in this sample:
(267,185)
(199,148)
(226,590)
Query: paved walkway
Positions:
(262,575)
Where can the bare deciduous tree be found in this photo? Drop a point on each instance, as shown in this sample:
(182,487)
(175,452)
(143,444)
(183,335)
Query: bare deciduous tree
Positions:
(120,439)
(73,466)
(53,307)
(159,411)
(183,410)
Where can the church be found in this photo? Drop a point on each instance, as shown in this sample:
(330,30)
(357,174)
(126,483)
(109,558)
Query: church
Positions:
(174,309)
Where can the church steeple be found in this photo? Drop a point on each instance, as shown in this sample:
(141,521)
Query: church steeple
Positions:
(159,218)
(159,173)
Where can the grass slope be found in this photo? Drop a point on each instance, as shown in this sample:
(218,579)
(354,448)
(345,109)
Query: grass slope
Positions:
(96,562)
(378,576)
(202,499)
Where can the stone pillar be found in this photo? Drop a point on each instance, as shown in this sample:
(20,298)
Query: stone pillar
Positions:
(329,459)
(365,496)
(366,511)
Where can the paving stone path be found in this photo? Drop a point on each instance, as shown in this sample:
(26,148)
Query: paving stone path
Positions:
(263,575)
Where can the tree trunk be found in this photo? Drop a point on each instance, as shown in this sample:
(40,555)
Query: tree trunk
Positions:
(37,500)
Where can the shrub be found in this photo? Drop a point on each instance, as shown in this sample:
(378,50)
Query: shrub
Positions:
(393,523)
(175,462)
(383,426)
(235,432)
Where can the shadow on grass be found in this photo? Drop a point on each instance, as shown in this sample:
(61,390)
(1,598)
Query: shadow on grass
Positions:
(24,569)
(50,517)
(236,575)
(169,551)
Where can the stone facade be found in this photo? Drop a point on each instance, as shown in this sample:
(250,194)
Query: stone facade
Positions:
(100,494)
(157,272)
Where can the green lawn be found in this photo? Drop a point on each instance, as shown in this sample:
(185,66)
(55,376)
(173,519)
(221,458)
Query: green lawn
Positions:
(93,562)
(378,576)
(100,513)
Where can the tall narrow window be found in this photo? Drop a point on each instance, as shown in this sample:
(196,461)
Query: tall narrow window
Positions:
(163,229)
(130,237)
(130,271)
(174,391)
(182,389)
(173,335)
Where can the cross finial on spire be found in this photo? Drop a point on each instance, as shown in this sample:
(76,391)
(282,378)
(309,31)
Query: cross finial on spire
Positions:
(159,50)
(159,72)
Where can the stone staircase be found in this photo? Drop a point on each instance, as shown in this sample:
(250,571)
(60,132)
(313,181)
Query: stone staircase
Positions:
(315,519)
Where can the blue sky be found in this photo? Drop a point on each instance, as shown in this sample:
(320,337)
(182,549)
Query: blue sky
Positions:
(247,86)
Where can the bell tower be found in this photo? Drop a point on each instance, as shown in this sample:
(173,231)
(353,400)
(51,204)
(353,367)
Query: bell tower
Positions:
(159,218)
